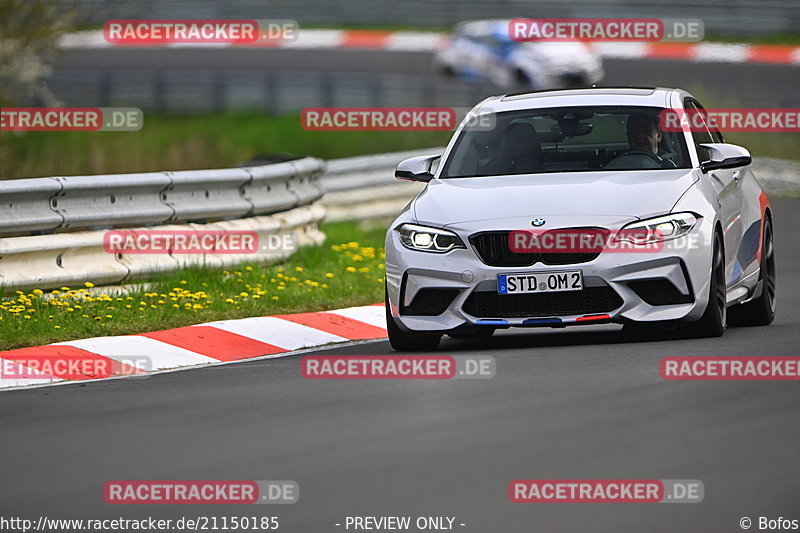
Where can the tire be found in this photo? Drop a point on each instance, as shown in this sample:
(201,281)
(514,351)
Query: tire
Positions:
(714,319)
(761,311)
(406,341)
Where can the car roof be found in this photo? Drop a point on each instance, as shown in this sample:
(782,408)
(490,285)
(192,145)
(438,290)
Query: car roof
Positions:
(594,96)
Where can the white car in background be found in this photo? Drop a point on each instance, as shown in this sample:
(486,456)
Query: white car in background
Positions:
(483,51)
(688,226)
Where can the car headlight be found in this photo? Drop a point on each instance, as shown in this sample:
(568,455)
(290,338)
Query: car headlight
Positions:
(658,229)
(428,239)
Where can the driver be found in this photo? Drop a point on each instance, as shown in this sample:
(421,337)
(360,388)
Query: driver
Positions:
(644,137)
(644,134)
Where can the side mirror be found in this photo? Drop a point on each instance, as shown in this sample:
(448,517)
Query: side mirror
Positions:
(416,168)
(723,155)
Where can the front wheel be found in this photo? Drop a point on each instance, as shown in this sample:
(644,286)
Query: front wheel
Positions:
(714,319)
(761,311)
(408,341)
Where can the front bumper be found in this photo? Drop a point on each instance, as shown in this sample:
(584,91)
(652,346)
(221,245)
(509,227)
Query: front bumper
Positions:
(618,287)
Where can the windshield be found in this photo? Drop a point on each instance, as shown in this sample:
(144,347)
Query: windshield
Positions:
(567,139)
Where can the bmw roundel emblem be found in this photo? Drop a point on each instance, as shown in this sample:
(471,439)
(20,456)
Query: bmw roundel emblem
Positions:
(538,222)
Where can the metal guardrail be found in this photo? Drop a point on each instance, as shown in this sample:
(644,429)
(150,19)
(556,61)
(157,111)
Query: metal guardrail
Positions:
(52,261)
(73,203)
(52,229)
(364,187)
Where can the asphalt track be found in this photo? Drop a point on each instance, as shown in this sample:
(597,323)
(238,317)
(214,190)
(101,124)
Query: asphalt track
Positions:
(573,403)
(717,84)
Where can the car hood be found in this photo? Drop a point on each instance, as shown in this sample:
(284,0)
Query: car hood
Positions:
(619,194)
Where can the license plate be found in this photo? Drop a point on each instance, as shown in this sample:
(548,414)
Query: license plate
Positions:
(540,282)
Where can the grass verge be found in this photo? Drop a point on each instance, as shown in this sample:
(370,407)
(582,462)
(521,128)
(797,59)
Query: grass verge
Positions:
(346,271)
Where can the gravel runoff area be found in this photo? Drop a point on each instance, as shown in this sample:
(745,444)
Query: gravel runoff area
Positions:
(779,176)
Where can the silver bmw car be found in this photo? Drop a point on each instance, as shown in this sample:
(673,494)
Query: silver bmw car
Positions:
(572,207)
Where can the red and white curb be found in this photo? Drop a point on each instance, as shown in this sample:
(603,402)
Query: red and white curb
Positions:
(402,41)
(192,346)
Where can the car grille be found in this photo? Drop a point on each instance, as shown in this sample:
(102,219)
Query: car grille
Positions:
(430,302)
(492,248)
(659,292)
(590,300)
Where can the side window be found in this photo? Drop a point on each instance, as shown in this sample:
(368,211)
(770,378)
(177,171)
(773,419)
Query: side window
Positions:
(700,134)
(490,42)
(715,133)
